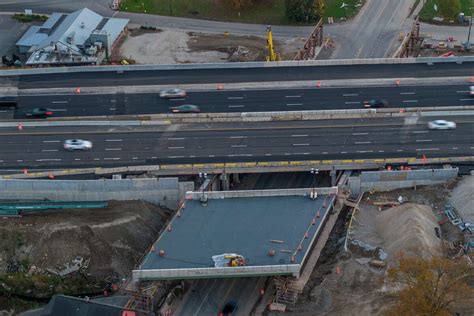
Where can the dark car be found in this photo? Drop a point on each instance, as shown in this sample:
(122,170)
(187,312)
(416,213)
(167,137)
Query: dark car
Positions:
(40,113)
(229,309)
(185,108)
(374,103)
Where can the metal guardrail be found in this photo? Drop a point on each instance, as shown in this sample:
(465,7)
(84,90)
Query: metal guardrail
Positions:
(17,208)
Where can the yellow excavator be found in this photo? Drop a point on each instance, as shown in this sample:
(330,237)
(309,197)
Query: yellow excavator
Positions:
(272,55)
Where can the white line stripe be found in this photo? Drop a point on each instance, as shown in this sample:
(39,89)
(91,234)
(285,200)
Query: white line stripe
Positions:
(355,134)
(427,149)
(50,141)
(471,99)
(112,109)
(455,148)
(59,110)
(302,153)
(113,140)
(238,146)
(134,158)
(300,144)
(350,95)
(423,140)
(325,153)
(112,149)
(49,150)
(175,147)
(292,96)
(77,159)
(299,135)
(111,158)
(293,104)
(176,138)
(352,102)
(420,132)
(235,137)
(399,150)
(48,159)
(462,91)
(175,156)
(362,143)
(59,102)
(236,106)
(235,98)
(407,93)
(410,101)
(365,151)
(179,99)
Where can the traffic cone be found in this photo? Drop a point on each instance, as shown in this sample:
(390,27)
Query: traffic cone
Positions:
(51,176)
(152,248)
(338,270)
(179,213)
(220,87)
(324,204)
(300,247)
(318,84)
(423,158)
(169,227)
(292,259)
(262,291)
(402,110)
(78,90)
(25,171)
(306,235)
(318,215)
(271,253)
(397,82)
(20,126)
(162,253)
(313,221)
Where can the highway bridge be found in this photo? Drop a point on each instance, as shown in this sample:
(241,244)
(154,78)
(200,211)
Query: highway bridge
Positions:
(358,138)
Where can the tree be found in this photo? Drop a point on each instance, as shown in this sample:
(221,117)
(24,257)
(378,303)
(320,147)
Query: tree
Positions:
(431,286)
(304,10)
(450,8)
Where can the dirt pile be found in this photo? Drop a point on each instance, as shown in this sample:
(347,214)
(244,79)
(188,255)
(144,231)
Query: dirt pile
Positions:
(113,238)
(409,228)
(462,198)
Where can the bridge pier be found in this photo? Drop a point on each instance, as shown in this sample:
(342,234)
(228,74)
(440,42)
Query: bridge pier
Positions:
(333,174)
(225,183)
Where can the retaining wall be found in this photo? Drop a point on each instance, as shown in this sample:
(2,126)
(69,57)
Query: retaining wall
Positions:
(164,191)
(388,180)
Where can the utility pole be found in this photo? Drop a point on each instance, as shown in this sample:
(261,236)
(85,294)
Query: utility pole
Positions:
(468,43)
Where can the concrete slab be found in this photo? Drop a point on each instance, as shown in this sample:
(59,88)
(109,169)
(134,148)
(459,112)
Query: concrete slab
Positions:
(243,225)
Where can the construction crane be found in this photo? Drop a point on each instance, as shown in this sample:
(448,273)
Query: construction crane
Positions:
(272,55)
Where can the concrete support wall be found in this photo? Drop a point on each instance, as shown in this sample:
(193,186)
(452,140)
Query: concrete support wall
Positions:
(388,180)
(164,191)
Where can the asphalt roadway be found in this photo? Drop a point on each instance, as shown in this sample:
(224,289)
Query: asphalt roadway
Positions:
(248,74)
(247,100)
(274,141)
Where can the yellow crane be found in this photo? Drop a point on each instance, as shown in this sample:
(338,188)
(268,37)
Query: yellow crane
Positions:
(272,55)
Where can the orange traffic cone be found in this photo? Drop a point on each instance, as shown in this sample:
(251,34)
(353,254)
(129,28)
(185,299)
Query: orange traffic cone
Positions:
(20,126)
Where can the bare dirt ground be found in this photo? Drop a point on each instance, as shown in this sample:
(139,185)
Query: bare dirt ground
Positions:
(177,47)
(113,238)
(343,283)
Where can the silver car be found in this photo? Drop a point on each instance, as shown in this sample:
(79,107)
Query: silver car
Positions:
(441,124)
(172,93)
(77,144)
(471,91)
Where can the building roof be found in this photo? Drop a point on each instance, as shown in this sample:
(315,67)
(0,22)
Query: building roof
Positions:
(70,29)
(61,305)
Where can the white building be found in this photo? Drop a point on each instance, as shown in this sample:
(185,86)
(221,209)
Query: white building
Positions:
(79,38)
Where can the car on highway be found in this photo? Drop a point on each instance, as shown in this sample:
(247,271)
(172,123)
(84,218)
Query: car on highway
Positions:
(185,108)
(39,113)
(172,93)
(376,103)
(441,124)
(229,309)
(77,144)
(471,91)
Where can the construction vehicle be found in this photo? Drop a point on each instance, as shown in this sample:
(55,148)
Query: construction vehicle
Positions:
(272,55)
(229,260)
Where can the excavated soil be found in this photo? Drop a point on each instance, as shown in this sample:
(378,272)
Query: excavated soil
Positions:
(114,238)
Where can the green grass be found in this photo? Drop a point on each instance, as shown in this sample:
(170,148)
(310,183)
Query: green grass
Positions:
(428,12)
(268,12)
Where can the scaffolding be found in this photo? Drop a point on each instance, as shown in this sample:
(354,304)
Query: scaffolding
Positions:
(410,41)
(315,39)
(286,292)
(144,299)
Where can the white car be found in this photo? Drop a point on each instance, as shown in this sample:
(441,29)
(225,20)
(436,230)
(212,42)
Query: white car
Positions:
(441,124)
(77,144)
(471,91)
(172,93)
